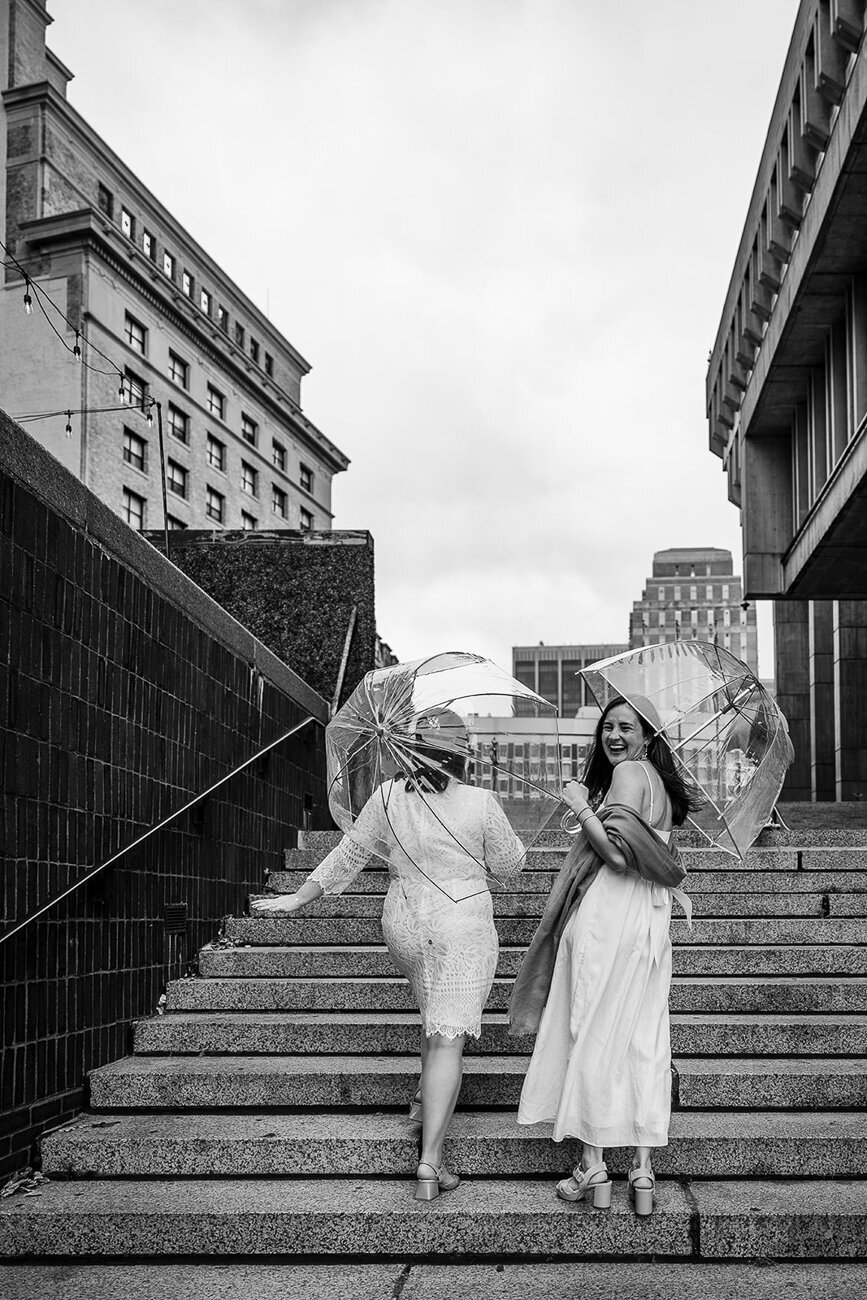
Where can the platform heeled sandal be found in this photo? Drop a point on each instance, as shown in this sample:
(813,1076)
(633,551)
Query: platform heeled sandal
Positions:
(414,1114)
(642,1183)
(585,1184)
(429,1181)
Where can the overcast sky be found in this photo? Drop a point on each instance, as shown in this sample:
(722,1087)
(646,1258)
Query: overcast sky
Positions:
(502,232)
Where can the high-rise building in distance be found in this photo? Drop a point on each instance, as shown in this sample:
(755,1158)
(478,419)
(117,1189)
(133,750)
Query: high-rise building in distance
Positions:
(695,593)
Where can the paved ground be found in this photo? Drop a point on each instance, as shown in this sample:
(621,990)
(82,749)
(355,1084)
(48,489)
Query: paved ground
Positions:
(395,1281)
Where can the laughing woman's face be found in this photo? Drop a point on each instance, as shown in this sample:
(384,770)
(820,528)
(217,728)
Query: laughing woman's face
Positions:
(622,735)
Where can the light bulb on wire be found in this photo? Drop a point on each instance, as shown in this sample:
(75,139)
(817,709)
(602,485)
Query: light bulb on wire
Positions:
(69,424)
(76,351)
(28,301)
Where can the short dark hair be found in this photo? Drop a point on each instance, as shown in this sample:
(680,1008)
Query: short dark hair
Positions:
(684,795)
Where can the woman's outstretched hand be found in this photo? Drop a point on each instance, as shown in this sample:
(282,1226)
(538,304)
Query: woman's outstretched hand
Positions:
(575,795)
(281,904)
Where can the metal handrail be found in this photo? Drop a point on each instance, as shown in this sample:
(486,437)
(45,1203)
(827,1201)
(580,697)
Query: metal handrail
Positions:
(191,803)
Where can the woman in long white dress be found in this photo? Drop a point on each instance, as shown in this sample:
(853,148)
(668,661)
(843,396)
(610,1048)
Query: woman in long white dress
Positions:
(601,1067)
(439,837)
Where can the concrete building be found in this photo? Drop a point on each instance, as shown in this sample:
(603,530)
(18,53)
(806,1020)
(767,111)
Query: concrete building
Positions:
(138,290)
(695,593)
(787,395)
(551,671)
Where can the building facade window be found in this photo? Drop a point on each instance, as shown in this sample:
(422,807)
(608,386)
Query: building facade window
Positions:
(174,523)
(306,520)
(249,479)
(105,201)
(179,423)
(248,522)
(278,455)
(169,265)
(133,389)
(215,505)
(708,592)
(134,450)
(179,370)
(223,319)
(693,593)
(148,245)
(216,453)
(134,508)
(216,402)
(254,351)
(177,478)
(127,223)
(279,501)
(306,478)
(239,334)
(677,593)
(660,593)
(725,591)
(135,334)
(269,365)
(188,284)
(249,429)
(205,302)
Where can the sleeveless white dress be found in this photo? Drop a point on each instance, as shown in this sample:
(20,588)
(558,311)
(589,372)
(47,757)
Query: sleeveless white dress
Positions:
(601,1066)
(438,916)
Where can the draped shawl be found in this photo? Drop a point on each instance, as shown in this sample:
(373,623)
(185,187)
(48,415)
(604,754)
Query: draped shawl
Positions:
(645,853)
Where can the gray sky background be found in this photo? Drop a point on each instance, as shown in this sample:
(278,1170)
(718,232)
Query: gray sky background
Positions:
(502,232)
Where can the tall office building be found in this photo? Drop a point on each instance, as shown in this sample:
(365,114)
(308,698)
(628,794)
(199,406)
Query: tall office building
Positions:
(787,395)
(88,235)
(695,593)
(551,671)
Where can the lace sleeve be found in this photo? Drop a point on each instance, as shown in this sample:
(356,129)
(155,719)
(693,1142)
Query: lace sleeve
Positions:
(504,852)
(357,848)
(341,866)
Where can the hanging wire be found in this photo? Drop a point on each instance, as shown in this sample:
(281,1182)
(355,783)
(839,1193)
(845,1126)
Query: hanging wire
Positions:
(34,290)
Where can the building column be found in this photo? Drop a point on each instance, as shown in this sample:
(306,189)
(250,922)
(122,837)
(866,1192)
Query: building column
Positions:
(823,732)
(792,655)
(850,697)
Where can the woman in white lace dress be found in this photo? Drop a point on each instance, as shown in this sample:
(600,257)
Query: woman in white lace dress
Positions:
(439,837)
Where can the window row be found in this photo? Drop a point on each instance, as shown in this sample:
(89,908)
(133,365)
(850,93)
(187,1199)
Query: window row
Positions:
(675,593)
(134,392)
(200,295)
(135,506)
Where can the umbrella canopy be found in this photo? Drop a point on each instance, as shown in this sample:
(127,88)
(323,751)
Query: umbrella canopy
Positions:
(724,729)
(456,714)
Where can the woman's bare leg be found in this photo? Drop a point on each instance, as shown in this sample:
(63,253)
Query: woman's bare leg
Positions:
(642,1158)
(442,1065)
(590,1156)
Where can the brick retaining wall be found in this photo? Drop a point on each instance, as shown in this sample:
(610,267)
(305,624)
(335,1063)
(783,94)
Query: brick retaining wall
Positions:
(124,690)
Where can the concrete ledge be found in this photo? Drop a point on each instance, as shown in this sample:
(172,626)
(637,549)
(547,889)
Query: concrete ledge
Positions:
(800,1220)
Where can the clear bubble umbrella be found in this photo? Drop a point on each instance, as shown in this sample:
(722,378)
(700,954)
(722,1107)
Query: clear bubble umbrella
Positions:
(452,713)
(724,730)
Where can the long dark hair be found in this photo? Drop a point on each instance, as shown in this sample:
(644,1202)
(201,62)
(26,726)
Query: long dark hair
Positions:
(435,773)
(685,797)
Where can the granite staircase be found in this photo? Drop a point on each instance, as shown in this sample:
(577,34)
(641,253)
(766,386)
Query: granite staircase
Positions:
(263,1114)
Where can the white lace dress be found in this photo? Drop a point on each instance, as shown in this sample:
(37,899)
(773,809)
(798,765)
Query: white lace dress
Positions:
(439,926)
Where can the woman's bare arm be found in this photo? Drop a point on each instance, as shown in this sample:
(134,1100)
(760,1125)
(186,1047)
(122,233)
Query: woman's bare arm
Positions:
(628,787)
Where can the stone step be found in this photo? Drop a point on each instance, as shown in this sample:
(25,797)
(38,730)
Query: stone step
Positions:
(747,997)
(288,1033)
(372,961)
(386,1082)
(160,1219)
(695,860)
(314,928)
(833,835)
(714,881)
(686,1279)
(789,903)
(488,1144)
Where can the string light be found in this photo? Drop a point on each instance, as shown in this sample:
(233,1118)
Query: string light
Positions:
(150,417)
(69,424)
(28,301)
(76,351)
